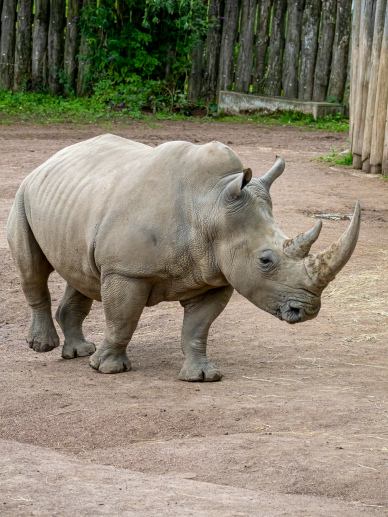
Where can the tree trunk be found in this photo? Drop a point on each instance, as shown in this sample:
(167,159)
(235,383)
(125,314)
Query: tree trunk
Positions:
(381,106)
(244,60)
(1,9)
(292,48)
(39,45)
(195,80)
(378,31)
(363,76)
(212,49)
(325,46)
(7,44)
(228,39)
(55,44)
(262,39)
(310,29)
(71,44)
(339,64)
(273,80)
(22,76)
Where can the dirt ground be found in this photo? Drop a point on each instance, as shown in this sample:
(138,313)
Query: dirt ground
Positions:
(299,423)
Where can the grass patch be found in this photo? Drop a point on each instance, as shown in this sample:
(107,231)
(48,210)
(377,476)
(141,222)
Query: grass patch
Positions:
(40,108)
(336,158)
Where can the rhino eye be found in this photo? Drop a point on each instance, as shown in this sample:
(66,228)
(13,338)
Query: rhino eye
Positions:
(267,260)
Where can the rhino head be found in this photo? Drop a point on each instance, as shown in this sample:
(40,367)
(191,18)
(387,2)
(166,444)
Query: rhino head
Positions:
(276,273)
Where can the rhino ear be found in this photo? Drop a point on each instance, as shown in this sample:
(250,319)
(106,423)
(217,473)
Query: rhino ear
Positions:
(234,188)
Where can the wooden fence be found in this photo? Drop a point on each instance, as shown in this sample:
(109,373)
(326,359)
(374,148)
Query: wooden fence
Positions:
(295,48)
(40,45)
(369,86)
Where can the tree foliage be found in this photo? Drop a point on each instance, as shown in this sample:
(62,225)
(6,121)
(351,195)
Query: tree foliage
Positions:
(139,51)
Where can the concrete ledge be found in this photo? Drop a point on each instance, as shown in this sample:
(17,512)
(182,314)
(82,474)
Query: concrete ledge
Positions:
(233,103)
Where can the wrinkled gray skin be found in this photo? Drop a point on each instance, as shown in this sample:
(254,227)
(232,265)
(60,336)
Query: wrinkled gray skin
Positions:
(133,225)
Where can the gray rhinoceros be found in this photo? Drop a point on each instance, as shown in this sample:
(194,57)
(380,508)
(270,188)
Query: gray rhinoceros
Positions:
(131,225)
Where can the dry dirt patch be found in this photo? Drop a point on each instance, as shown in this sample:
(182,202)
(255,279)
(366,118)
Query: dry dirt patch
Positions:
(301,410)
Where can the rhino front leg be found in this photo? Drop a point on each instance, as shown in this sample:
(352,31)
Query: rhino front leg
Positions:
(123,300)
(200,312)
(70,315)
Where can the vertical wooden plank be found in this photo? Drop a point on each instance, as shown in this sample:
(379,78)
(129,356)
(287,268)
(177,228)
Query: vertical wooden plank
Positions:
(71,44)
(381,106)
(325,46)
(354,64)
(363,75)
(228,40)
(7,44)
(384,166)
(374,70)
(212,49)
(195,80)
(262,39)
(339,64)
(22,77)
(310,29)
(39,44)
(292,48)
(56,44)
(273,80)
(245,55)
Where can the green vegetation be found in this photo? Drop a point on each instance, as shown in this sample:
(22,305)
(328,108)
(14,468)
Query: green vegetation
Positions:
(337,158)
(40,108)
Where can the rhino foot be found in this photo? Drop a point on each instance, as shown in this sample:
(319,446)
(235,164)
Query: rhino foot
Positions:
(203,371)
(107,361)
(79,348)
(42,336)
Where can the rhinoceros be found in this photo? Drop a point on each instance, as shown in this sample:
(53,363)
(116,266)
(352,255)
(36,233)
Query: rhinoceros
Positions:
(132,225)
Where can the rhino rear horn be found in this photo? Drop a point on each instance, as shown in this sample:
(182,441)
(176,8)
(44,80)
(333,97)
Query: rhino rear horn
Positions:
(323,267)
(275,171)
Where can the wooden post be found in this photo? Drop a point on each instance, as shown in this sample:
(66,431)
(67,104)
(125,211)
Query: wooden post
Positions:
(22,77)
(228,39)
(195,79)
(39,45)
(374,69)
(356,20)
(384,165)
(292,48)
(71,44)
(363,75)
(379,121)
(212,50)
(339,64)
(325,46)
(310,29)
(7,44)
(56,44)
(273,80)
(244,60)
(262,39)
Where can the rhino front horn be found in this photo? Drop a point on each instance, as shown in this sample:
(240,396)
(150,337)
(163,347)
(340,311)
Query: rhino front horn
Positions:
(275,171)
(323,267)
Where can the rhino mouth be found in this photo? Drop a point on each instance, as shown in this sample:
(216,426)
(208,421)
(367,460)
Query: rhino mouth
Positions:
(293,312)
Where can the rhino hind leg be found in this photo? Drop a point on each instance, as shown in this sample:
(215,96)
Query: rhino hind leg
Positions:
(34,269)
(123,301)
(200,312)
(70,315)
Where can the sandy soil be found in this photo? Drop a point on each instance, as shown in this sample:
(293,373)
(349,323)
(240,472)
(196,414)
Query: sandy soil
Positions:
(298,425)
